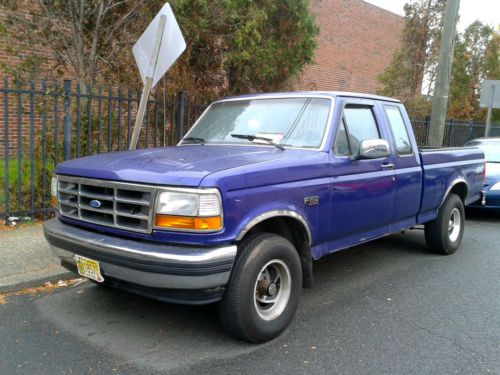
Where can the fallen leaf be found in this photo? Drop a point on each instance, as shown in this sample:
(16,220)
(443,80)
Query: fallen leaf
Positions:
(79,281)
(48,286)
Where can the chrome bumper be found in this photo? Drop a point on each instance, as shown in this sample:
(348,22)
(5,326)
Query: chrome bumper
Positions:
(143,263)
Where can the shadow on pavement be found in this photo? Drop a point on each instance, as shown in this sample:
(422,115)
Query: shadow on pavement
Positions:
(478,214)
(167,336)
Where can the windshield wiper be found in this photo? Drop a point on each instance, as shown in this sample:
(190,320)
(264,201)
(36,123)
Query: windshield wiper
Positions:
(201,141)
(252,138)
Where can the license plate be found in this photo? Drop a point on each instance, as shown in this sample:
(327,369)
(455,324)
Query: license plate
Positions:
(89,268)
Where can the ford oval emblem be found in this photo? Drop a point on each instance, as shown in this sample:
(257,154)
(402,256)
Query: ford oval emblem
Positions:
(94,203)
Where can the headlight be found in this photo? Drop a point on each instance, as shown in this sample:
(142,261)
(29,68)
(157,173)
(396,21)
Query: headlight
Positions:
(496,186)
(53,191)
(189,209)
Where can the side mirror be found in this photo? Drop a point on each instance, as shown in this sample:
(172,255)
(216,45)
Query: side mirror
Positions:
(373,149)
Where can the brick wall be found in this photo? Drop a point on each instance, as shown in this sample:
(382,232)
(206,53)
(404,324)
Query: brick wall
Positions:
(12,53)
(356,43)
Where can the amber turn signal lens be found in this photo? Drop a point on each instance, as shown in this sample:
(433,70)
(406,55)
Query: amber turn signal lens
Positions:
(186,222)
(53,201)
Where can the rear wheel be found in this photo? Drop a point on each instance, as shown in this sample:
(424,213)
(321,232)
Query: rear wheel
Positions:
(444,234)
(263,292)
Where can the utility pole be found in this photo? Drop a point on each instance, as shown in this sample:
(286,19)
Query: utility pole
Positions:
(443,76)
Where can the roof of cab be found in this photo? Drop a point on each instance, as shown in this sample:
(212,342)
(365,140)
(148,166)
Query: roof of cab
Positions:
(315,93)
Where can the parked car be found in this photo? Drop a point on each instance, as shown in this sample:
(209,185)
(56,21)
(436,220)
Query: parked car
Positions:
(258,189)
(491,192)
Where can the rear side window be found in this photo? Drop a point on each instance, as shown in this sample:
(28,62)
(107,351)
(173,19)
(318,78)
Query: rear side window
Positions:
(399,132)
(358,124)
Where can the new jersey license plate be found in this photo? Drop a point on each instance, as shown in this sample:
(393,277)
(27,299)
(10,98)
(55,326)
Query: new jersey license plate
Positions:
(89,268)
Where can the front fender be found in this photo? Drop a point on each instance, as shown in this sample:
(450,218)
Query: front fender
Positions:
(264,212)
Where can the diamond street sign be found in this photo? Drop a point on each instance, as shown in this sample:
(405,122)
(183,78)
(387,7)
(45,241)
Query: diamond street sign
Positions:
(172,45)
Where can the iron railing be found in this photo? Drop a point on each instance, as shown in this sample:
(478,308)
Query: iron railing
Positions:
(456,132)
(44,123)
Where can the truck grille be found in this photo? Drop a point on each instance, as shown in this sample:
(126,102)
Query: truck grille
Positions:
(113,204)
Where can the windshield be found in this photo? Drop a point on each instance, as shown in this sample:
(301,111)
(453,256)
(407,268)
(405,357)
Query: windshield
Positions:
(491,151)
(293,122)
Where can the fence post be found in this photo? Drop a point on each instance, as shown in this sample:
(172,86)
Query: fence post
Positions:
(471,130)
(427,125)
(450,129)
(67,119)
(180,114)
(6,148)
(32,148)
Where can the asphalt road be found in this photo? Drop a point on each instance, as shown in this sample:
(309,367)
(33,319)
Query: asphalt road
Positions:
(388,307)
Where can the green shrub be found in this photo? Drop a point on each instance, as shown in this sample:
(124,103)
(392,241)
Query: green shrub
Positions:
(20,200)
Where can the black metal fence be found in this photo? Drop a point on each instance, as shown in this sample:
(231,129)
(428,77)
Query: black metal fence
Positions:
(456,132)
(44,123)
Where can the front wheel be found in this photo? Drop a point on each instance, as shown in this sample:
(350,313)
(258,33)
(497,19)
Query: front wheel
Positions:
(444,234)
(263,292)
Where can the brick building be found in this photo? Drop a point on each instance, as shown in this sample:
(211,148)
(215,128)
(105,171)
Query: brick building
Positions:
(356,43)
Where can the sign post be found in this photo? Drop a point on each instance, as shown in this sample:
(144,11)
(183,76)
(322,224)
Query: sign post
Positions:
(490,97)
(147,86)
(154,59)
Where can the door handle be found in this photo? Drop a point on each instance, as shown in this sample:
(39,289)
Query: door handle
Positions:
(387,167)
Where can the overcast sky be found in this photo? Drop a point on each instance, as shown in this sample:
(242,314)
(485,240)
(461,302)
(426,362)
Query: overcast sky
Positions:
(486,11)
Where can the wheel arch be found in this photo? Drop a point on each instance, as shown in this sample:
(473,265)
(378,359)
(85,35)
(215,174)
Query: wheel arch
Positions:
(275,215)
(459,187)
(294,228)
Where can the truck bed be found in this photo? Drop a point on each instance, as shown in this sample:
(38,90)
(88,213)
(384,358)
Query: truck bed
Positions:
(442,168)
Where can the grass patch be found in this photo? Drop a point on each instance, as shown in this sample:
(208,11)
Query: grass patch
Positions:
(13,166)
(22,202)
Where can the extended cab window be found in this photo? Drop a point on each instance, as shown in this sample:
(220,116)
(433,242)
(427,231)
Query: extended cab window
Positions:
(399,132)
(358,124)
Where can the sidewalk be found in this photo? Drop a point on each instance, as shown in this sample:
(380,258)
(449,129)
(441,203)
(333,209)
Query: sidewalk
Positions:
(26,259)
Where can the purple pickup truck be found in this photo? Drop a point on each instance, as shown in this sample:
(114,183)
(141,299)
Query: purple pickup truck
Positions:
(259,188)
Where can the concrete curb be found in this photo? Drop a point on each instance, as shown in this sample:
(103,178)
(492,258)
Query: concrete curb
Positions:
(40,281)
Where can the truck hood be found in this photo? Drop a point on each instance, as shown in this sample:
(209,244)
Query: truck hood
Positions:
(180,165)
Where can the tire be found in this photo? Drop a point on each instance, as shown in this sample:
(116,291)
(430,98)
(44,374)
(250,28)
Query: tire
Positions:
(267,269)
(444,234)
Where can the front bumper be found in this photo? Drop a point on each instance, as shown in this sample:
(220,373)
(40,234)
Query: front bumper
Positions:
(148,266)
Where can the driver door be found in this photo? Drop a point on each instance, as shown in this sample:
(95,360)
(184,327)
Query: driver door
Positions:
(362,191)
